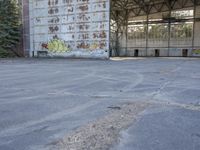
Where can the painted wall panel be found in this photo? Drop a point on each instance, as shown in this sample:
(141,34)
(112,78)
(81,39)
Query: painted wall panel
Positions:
(78,28)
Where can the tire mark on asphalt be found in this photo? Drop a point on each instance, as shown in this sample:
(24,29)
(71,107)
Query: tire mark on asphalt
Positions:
(18,129)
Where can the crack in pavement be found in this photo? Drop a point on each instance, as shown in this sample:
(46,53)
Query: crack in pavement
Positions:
(185,106)
(102,133)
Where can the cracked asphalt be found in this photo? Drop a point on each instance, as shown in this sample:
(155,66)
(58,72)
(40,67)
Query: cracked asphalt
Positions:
(42,100)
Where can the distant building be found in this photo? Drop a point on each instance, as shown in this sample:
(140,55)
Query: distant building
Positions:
(104,28)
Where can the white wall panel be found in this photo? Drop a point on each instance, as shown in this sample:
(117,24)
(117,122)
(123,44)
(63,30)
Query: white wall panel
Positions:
(75,27)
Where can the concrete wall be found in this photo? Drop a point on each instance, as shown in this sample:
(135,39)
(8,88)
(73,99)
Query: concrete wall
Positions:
(196,51)
(69,28)
(26,29)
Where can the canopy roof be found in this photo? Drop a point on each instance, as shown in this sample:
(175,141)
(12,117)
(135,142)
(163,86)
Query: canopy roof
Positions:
(144,7)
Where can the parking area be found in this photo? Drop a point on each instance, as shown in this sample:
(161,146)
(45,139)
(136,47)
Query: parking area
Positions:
(42,100)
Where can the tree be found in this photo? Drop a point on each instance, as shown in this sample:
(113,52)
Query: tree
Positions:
(9,25)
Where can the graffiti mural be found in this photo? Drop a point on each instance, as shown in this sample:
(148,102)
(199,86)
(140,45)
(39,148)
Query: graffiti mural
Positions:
(56,46)
(63,27)
(196,52)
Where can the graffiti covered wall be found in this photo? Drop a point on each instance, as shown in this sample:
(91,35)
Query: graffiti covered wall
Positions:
(196,52)
(70,28)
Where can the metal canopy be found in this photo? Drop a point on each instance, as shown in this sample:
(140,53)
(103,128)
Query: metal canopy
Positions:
(145,7)
(139,12)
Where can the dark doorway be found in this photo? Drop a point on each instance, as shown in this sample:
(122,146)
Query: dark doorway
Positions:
(136,53)
(157,52)
(33,54)
(184,52)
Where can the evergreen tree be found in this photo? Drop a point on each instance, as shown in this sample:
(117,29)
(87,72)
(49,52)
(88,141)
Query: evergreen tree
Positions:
(9,25)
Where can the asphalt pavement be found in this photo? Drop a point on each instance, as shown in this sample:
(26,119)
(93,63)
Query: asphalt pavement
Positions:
(42,100)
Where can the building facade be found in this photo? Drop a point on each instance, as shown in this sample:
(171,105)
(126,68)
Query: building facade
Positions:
(104,28)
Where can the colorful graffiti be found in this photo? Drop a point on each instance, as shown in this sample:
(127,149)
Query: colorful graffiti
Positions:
(196,51)
(56,46)
(60,46)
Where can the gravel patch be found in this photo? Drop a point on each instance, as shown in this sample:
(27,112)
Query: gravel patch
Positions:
(102,133)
